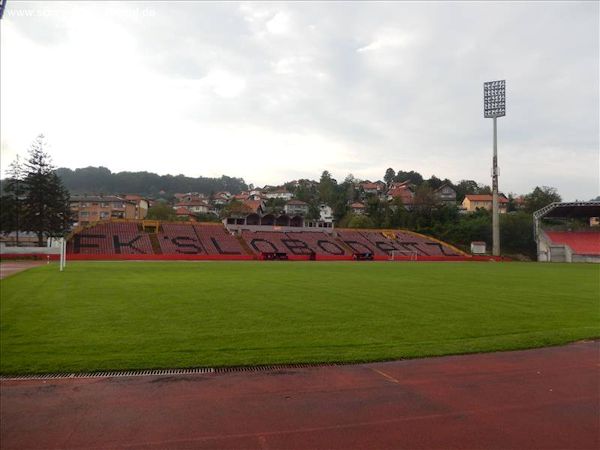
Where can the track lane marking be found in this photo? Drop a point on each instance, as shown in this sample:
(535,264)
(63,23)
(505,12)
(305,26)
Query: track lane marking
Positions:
(457,414)
(385,375)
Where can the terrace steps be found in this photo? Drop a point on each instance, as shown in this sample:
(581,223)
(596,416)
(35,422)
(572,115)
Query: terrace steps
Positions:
(244,245)
(216,241)
(155,244)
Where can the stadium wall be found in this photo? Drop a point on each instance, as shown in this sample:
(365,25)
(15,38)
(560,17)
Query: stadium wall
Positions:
(586,258)
(182,257)
(30,250)
(35,253)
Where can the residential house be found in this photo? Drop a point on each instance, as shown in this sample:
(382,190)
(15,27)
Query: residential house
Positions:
(399,184)
(472,202)
(194,207)
(93,208)
(369,188)
(142,204)
(402,191)
(221,198)
(190,197)
(254,206)
(358,208)
(445,194)
(183,213)
(255,196)
(381,186)
(296,208)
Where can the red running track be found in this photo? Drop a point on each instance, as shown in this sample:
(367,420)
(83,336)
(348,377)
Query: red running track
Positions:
(544,399)
(12,267)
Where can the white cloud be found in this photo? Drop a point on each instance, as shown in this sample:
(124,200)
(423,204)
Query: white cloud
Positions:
(224,83)
(388,39)
(279,24)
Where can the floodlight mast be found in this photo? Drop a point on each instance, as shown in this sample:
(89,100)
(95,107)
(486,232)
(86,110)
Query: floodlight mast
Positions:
(494,106)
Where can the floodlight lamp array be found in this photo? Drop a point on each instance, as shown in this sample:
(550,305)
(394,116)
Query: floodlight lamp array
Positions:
(494,98)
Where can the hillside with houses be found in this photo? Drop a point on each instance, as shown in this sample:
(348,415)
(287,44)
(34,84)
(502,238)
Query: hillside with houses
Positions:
(458,213)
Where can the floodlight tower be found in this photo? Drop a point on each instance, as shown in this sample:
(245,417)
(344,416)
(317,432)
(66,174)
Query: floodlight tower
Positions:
(494,106)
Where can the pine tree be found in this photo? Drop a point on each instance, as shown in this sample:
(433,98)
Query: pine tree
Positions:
(389,176)
(46,203)
(11,214)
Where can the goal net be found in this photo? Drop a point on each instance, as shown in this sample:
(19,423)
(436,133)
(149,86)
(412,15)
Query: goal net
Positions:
(393,255)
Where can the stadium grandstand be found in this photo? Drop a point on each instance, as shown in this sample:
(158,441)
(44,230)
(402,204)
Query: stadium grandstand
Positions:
(192,240)
(568,232)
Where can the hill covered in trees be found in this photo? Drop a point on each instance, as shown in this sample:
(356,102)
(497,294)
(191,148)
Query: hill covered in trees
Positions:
(102,180)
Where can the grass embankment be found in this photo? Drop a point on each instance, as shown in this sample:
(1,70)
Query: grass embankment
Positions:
(100,316)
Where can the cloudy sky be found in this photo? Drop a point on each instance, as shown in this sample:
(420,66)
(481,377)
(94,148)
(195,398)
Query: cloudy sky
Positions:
(276,91)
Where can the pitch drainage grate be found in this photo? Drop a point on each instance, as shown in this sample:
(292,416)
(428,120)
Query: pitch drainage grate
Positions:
(274,367)
(109,374)
(142,373)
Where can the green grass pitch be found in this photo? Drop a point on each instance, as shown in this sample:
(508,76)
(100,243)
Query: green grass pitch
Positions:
(134,315)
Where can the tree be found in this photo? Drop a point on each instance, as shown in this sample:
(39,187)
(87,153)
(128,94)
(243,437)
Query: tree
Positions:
(540,197)
(375,209)
(360,221)
(414,177)
(327,188)
(484,189)
(465,187)
(389,176)
(516,235)
(348,188)
(12,211)
(424,197)
(314,213)
(305,193)
(207,217)
(275,205)
(161,211)
(399,214)
(235,207)
(101,179)
(434,182)
(351,179)
(512,203)
(46,201)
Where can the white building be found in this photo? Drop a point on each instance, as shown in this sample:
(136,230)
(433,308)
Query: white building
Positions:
(279,193)
(296,207)
(325,213)
(193,207)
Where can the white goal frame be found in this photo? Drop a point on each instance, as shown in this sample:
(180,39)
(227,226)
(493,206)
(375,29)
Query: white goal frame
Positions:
(414,255)
(63,254)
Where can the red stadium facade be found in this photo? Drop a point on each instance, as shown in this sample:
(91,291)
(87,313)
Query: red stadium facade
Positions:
(141,240)
(568,232)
